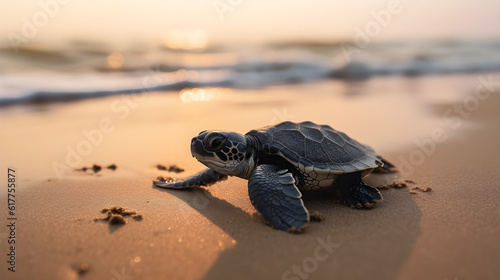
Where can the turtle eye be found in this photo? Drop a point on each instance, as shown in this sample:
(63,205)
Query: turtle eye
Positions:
(215,142)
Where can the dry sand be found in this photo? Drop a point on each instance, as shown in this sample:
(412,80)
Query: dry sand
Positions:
(451,232)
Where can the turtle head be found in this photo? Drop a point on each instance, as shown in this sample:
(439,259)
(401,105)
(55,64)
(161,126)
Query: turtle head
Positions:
(225,152)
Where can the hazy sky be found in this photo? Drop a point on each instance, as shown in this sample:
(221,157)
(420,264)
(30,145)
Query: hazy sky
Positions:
(248,20)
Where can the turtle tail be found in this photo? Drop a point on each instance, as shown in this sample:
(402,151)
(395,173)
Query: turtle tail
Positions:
(388,167)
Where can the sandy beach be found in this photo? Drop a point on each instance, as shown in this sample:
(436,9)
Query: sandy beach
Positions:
(440,131)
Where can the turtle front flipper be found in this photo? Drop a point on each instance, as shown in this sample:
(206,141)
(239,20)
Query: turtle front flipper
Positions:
(273,193)
(206,177)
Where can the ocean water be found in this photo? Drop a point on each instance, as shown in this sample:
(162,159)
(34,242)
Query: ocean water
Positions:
(84,70)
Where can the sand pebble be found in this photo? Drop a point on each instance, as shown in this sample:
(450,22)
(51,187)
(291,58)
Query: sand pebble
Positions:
(316,216)
(116,219)
(83,268)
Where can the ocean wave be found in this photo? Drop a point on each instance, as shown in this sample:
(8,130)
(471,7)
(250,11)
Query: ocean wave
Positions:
(40,76)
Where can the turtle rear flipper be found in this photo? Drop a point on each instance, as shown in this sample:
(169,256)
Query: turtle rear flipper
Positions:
(355,193)
(206,177)
(273,193)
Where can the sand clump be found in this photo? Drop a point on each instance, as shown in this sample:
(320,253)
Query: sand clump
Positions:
(96,168)
(116,215)
(415,190)
(112,167)
(403,184)
(396,184)
(172,168)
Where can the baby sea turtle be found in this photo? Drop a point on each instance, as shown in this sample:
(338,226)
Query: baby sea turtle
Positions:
(282,160)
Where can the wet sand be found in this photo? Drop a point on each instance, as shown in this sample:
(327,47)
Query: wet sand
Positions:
(450,232)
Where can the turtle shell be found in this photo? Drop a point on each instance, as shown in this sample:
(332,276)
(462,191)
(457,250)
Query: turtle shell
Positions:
(317,147)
